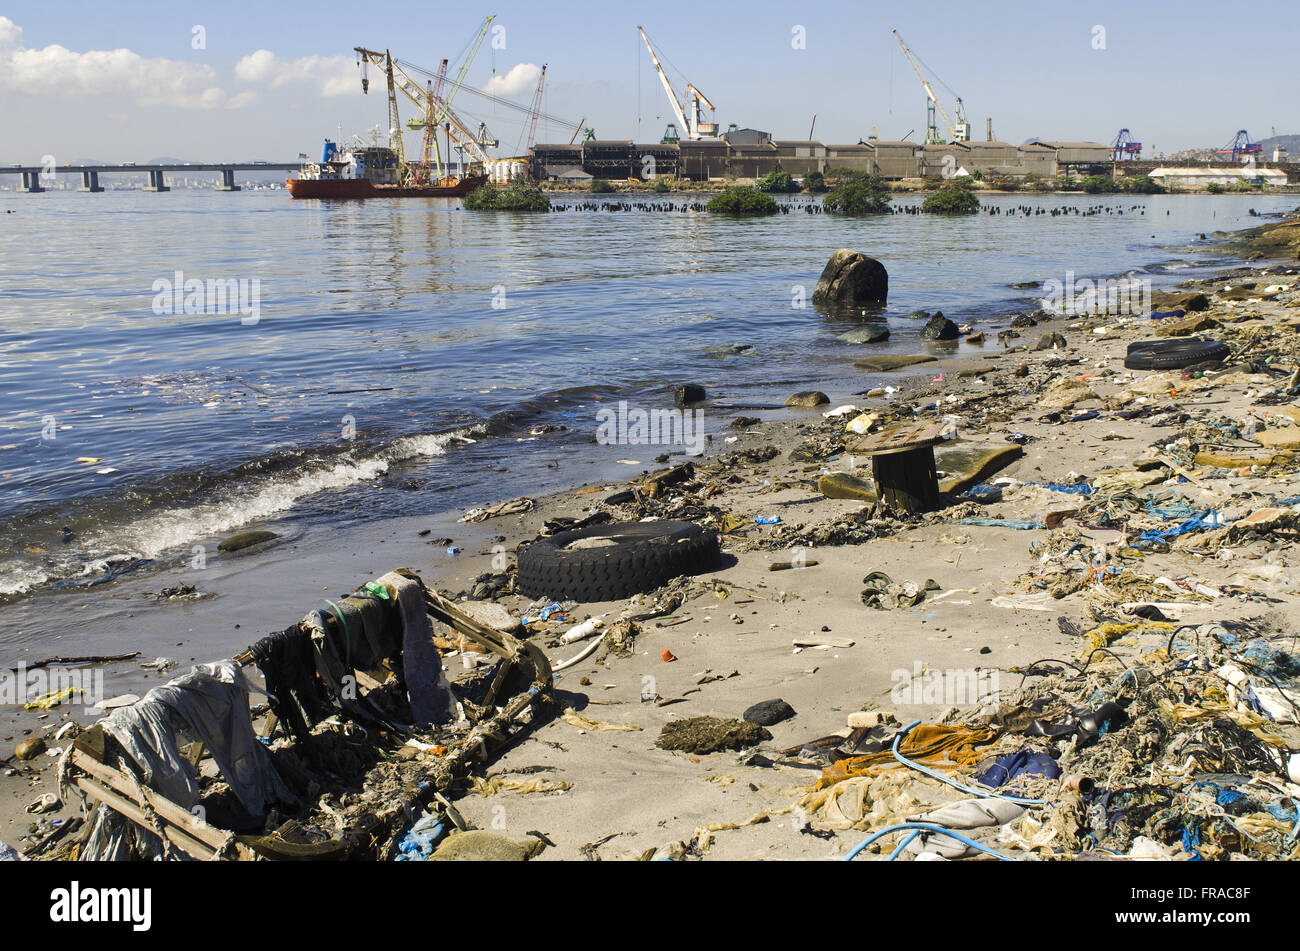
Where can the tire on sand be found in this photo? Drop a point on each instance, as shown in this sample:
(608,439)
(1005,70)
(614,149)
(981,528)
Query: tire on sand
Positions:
(1174,354)
(610,562)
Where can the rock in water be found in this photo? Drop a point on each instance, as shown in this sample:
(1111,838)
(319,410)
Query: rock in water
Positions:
(768,712)
(807,399)
(851,280)
(869,333)
(244,540)
(939,327)
(689,393)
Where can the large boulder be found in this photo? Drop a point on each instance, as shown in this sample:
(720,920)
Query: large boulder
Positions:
(851,281)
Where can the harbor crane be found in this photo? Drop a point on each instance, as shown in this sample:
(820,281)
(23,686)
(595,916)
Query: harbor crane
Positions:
(1125,147)
(536,111)
(958,131)
(435,108)
(1241,145)
(688,116)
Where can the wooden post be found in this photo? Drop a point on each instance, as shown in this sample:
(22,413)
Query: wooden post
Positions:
(907,481)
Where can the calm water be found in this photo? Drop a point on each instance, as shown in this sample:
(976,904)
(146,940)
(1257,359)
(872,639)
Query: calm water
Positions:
(390,333)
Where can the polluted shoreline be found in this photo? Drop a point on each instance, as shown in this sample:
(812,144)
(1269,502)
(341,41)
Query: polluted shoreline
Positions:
(1091,618)
(95,539)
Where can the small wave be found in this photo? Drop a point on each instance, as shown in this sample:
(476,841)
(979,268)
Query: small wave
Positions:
(113,550)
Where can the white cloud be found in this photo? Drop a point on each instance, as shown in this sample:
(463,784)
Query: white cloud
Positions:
(332,75)
(11,34)
(57,70)
(519,79)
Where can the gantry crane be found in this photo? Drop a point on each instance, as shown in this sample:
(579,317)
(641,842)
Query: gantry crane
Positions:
(694,128)
(1125,147)
(1241,145)
(958,131)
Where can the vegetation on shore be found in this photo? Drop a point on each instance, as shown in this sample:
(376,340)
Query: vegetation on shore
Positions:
(742,200)
(780,182)
(858,194)
(954,198)
(517,197)
(600,186)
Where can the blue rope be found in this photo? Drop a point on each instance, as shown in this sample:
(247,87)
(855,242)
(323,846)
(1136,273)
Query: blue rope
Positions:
(981,793)
(928,827)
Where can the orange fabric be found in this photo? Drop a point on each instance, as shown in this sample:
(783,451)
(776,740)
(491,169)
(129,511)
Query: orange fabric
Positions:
(934,745)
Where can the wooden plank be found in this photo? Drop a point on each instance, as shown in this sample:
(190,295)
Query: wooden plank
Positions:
(208,835)
(899,438)
(132,811)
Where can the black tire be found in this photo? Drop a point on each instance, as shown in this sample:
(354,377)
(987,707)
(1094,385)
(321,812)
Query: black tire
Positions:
(643,557)
(1174,354)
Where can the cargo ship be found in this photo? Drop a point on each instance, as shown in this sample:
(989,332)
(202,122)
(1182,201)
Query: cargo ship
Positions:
(372,171)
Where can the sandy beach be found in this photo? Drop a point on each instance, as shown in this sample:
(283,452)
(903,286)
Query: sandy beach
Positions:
(612,793)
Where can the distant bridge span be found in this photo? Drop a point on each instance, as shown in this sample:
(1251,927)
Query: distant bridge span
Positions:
(31,174)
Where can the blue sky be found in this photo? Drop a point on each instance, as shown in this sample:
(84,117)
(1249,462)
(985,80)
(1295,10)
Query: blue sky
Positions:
(1179,75)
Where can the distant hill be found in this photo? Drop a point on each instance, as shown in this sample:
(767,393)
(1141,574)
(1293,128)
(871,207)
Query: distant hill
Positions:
(1289,142)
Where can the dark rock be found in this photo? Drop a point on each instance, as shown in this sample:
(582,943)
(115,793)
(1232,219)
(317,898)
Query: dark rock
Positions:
(851,280)
(689,393)
(768,712)
(1023,320)
(1048,341)
(243,540)
(808,399)
(920,315)
(868,333)
(939,327)
(744,422)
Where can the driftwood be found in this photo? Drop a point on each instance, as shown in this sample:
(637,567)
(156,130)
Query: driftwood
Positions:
(89,659)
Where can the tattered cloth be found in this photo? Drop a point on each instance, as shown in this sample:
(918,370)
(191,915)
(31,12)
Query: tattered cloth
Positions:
(929,744)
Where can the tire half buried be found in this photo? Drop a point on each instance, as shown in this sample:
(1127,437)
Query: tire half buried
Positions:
(610,562)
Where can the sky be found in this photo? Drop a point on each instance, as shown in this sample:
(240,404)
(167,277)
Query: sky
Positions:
(239,80)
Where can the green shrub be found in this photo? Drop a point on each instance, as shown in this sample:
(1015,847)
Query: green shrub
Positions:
(859,194)
(600,186)
(661,186)
(1214,188)
(517,197)
(815,182)
(1067,183)
(779,182)
(1100,185)
(742,200)
(1143,185)
(1004,183)
(951,200)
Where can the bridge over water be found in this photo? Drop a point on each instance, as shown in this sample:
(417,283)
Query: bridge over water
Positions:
(32,174)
